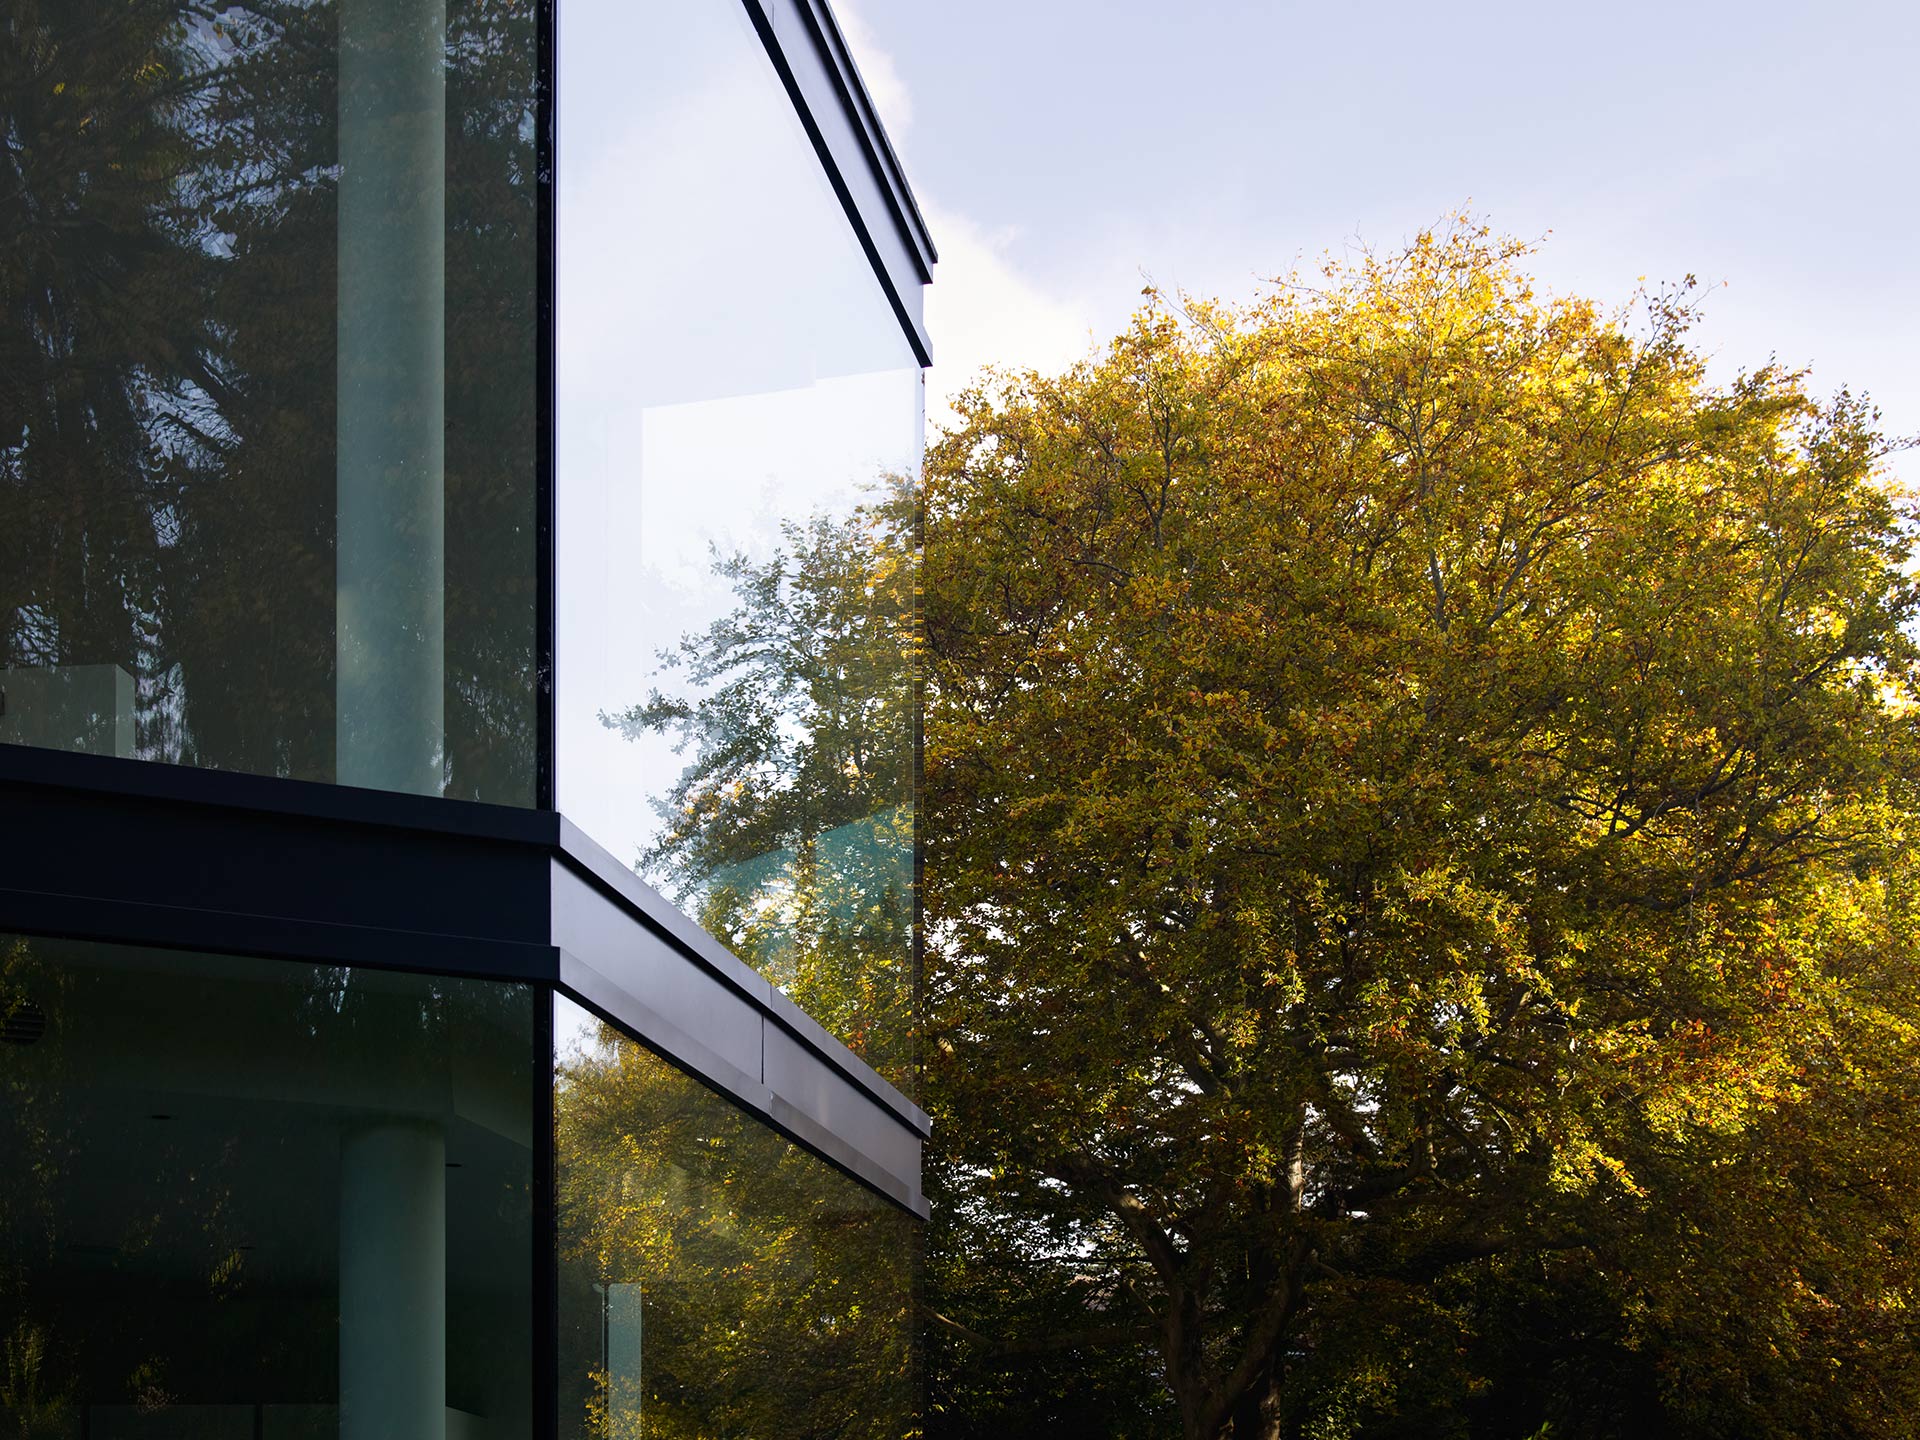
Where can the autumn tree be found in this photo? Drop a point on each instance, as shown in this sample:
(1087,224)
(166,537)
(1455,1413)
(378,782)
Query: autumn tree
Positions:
(1419,781)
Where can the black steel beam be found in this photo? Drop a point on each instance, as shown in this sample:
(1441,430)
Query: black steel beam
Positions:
(128,852)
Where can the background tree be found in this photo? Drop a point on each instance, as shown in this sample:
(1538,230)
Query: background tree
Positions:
(1419,783)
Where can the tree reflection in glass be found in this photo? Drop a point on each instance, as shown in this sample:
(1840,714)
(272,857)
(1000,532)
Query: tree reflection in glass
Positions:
(789,832)
(170,321)
(731,384)
(716,1280)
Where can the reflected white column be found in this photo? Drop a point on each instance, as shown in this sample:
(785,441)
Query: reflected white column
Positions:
(625,1393)
(393,1283)
(390,563)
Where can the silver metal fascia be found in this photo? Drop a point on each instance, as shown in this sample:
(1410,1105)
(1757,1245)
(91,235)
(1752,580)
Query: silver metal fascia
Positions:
(810,53)
(629,955)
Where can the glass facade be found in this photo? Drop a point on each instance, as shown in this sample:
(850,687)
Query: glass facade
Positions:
(320,461)
(245,1198)
(715,1279)
(738,433)
(268,339)
(251,1198)
(270,429)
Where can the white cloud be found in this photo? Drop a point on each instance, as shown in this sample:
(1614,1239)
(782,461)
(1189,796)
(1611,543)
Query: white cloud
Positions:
(890,94)
(983,311)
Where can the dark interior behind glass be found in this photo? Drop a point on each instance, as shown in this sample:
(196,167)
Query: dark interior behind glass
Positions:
(249,1198)
(267,400)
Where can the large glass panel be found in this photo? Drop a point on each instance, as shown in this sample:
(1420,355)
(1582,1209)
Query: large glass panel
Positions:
(267,404)
(248,1199)
(739,428)
(716,1280)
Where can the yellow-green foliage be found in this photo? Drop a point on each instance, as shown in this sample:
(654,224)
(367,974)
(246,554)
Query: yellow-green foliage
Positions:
(1419,782)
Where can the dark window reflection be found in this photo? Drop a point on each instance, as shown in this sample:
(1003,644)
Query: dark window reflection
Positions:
(715,1280)
(266,386)
(251,1199)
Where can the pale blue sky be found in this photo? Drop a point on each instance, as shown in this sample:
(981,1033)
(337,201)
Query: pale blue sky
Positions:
(1064,148)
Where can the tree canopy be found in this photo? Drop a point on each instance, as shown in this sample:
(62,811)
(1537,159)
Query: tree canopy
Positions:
(1419,902)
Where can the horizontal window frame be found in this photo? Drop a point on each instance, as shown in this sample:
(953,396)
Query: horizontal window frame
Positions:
(131,852)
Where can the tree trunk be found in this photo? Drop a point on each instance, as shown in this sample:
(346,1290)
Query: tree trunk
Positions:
(1257,1416)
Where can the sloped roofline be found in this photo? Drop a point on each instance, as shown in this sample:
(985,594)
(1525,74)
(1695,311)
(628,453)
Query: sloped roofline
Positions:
(810,53)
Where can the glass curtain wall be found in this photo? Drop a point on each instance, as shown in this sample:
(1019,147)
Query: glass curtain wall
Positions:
(267,387)
(739,432)
(245,1199)
(715,1279)
(249,1199)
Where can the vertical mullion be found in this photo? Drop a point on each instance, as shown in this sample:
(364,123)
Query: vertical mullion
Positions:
(545,1258)
(546,151)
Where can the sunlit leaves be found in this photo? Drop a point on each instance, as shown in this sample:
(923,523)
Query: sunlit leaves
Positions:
(1416,780)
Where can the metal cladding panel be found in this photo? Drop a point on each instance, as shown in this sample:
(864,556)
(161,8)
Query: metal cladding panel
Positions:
(671,986)
(111,922)
(664,984)
(814,1100)
(815,1037)
(131,852)
(611,1001)
(591,859)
